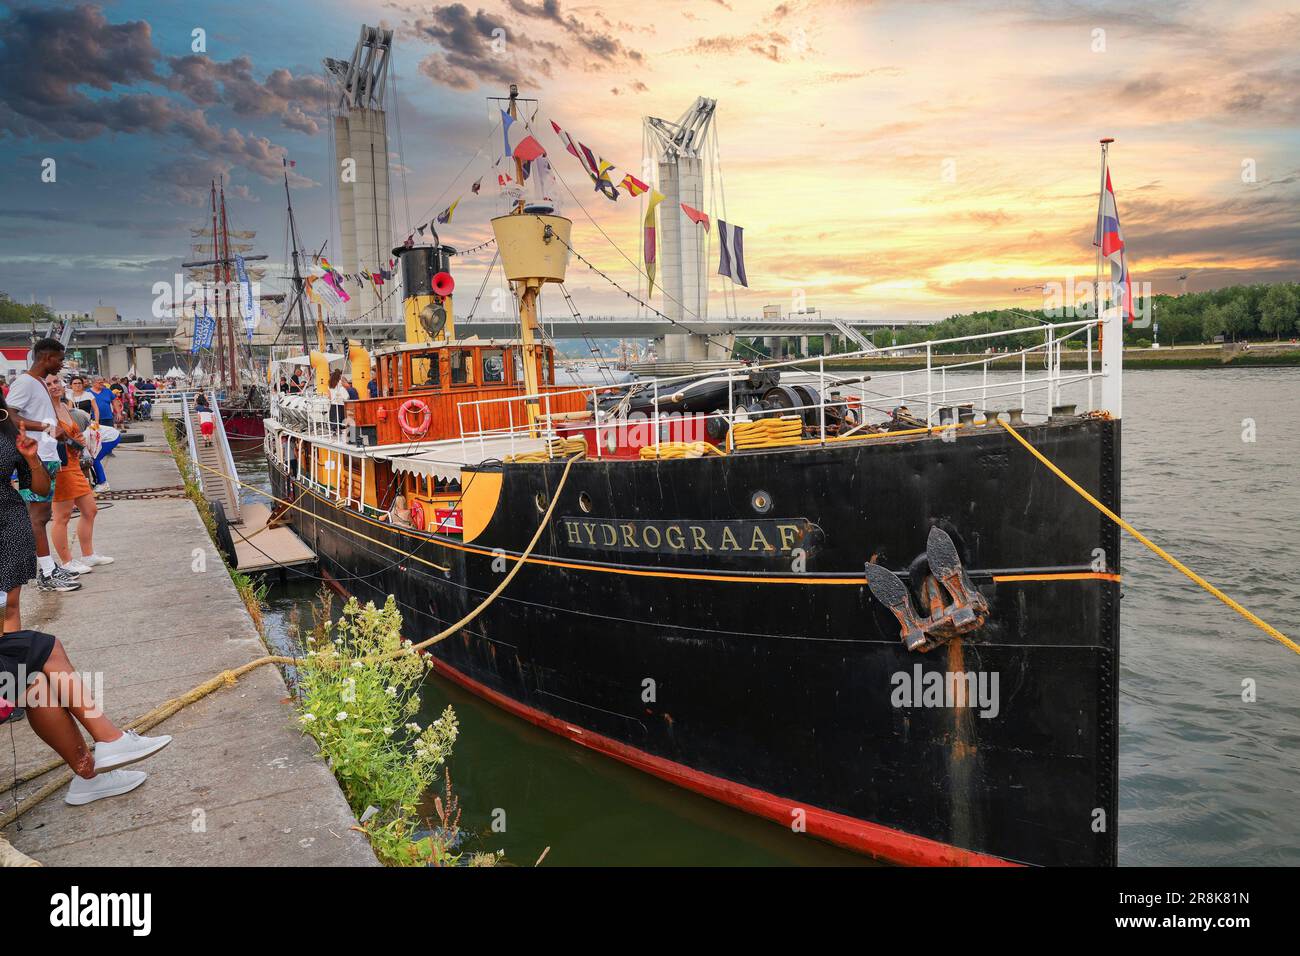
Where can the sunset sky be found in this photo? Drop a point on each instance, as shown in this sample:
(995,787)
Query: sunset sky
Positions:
(837,122)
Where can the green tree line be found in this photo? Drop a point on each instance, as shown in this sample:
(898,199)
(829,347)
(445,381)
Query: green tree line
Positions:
(12,313)
(1238,313)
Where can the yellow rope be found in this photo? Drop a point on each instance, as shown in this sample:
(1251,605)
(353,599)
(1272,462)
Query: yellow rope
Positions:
(767,433)
(680,449)
(170,707)
(1263,625)
(555,448)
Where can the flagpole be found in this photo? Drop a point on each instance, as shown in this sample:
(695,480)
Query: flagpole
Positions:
(1098,234)
(1110,329)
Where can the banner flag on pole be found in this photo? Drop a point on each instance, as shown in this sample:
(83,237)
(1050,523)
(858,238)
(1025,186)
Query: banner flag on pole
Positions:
(247,304)
(204,328)
(732,261)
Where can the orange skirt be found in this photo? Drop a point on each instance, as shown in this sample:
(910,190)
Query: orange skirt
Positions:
(70,483)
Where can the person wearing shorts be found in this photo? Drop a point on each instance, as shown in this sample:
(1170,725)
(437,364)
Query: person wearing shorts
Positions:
(71,489)
(29,401)
(207,426)
(35,674)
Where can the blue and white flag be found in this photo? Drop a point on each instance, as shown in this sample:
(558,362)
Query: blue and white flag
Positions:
(205,326)
(247,305)
(517,141)
(732,263)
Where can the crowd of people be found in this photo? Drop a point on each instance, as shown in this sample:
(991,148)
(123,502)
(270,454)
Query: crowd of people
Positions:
(54,437)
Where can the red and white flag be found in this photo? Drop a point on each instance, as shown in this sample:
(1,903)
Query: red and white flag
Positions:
(1110,238)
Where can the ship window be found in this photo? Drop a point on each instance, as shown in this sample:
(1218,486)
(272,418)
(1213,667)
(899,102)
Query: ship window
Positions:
(424,371)
(462,366)
(540,500)
(584,502)
(494,366)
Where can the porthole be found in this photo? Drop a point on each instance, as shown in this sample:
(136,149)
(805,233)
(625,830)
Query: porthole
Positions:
(762,502)
(584,502)
(540,500)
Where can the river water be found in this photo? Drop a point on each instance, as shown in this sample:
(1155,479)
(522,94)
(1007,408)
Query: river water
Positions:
(1209,710)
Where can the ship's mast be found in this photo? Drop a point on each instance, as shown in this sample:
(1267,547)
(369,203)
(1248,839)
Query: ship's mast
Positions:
(216,285)
(534,353)
(297,272)
(232,366)
(519,165)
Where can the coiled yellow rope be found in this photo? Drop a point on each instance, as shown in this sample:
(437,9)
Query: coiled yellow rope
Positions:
(767,433)
(1263,625)
(680,449)
(555,448)
(170,707)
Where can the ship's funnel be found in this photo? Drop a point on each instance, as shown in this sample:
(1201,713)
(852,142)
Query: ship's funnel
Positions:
(427,285)
(533,247)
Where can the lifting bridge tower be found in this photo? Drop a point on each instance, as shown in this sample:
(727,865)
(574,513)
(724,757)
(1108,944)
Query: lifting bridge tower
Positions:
(679,152)
(361,151)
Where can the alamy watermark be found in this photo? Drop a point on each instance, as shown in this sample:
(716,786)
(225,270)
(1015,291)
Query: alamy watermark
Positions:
(921,688)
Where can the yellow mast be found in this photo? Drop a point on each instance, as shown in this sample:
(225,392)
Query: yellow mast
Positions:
(532,258)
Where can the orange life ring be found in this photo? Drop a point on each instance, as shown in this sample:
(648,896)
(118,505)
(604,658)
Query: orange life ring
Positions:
(410,429)
(417,516)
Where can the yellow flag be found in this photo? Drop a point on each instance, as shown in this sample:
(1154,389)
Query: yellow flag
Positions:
(656,197)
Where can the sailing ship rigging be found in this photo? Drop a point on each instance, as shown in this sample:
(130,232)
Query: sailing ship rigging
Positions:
(230,308)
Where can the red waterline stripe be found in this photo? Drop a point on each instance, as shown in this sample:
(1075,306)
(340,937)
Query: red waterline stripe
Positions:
(873,839)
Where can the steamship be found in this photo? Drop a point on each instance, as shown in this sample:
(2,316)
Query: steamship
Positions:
(887,629)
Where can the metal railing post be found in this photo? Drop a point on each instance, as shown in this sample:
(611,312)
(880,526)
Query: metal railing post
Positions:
(821,375)
(1023,356)
(1051,366)
(655,418)
(929,386)
(1091,406)
(984,391)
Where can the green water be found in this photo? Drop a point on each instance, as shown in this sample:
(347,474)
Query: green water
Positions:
(548,792)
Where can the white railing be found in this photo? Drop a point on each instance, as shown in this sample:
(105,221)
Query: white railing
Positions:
(519,427)
(1040,375)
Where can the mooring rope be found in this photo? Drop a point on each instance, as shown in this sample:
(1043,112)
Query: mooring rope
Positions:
(229,677)
(1263,625)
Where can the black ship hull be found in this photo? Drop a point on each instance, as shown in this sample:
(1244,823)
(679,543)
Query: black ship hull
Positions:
(708,621)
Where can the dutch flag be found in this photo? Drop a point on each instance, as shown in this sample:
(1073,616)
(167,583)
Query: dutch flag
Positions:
(732,263)
(1110,238)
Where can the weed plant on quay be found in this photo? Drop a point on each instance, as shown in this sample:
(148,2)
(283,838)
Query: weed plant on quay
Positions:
(358,704)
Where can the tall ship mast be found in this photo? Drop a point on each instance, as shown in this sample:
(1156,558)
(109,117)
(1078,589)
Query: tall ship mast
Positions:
(223,314)
(856,606)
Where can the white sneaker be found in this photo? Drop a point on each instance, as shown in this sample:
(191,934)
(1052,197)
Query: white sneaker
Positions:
(78,567)
(126,749)
(101,488)
(94,560)
(111,784)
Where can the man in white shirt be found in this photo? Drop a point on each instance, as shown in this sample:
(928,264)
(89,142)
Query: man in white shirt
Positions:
(29,401)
